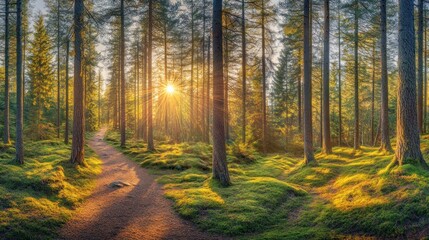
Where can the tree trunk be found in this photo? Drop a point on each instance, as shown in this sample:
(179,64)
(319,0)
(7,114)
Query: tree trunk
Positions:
(384,113)
(226,86)
(66,132)
(208,92)
(150,145)
(373,94)
(243,69)
(123,105)
(356,73)
(327,148)
(6,133)
(408,137)
(220,168)
(144,88)
(340,122)
(19,87)
(308,125)
(420,67)
(191,94)
(58,71)
(78,143)
(264,85)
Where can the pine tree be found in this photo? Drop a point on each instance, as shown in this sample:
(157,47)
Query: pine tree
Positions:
(41,76)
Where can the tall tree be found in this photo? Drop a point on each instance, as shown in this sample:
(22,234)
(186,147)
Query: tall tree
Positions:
(326,143)
(150,144)
(123,97)
(264,82)
(19,143)
(58,71)
(220,167)
(243,70)
(384,113)
(408,137)
(41,76)
(356,74)
(307,95)
(420,66)
(78,143)
(6,133)
(66,132)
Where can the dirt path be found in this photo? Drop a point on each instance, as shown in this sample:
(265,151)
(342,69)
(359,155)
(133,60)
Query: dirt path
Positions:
(139,211)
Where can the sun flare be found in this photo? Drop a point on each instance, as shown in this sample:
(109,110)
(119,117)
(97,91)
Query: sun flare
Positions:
(170,89)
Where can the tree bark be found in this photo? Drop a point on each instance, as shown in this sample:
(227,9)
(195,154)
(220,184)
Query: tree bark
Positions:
(340,121)
(19,144)
(78,143)
(308,125)
(66,132)
(408,137)
(220,168)
(243,69)
(384,113)
(326,143)
(58,71)
(356,73)
(150,145)
(420,67)
(123,92)
(6,133)
(264,85)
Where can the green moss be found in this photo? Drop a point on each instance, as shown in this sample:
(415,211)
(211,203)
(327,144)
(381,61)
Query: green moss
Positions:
(38,197)
(347,194)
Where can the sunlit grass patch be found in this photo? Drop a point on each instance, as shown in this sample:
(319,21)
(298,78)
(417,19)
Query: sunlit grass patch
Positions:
(345,195)
(38,197)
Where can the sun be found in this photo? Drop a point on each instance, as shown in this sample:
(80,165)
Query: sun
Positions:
(170,89)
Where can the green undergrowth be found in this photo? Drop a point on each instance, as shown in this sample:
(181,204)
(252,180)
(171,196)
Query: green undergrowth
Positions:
(39,196)
(348,194)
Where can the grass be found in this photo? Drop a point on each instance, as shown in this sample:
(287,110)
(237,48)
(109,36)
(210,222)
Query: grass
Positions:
(348,194)
(38,197)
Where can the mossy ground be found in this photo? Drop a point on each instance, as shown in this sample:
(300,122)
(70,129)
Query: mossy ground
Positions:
(39,196)
(348,194)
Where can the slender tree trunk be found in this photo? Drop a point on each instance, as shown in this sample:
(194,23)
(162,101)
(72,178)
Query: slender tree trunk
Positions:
(208,92)
(327,148)
(144,86)
(299,90)
(6,133)
(420,67)
(226,59)
(264,85)
(408,137)
(204,108)
(78,143)
(165,77)
(123,92)
(99,98)
(356,73)
(19,144)
(425,103)
(66,132)
(138,120)
(308,126)
(191,94)
(220,167)
(373,94)
(58,71)
(243,68)
(384,113)
(150,145)
(340,121)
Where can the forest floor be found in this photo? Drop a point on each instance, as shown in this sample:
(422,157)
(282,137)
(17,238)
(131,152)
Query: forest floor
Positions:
(37,198)
(137,211)
(348,194)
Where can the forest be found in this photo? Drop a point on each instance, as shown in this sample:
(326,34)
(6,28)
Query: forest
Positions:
(214,119)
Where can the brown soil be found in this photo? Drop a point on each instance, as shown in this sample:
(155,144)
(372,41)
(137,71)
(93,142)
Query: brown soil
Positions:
(139,211)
